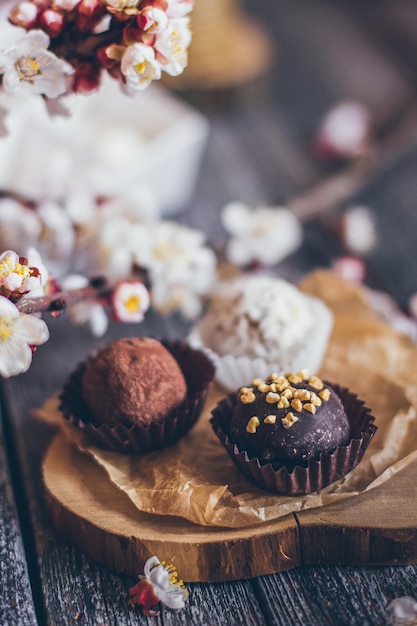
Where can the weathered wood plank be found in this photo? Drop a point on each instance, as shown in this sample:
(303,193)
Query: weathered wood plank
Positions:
(16,603)
(328,595)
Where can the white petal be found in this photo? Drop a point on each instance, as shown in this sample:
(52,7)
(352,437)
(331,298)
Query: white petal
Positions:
(236,217)
(74,281)
(150,564)
(174,598)
(8,309)
(31,330)
(15,357)
(238,253)
(98,320)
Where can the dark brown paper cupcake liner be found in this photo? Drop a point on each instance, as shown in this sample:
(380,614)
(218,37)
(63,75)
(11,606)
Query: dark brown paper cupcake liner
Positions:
(315,474)
(139,438)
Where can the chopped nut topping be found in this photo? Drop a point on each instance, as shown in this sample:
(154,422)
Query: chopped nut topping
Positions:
(325,394)
(305,374)
(247,398)
(271,397)
(283,403)
(297,405)
(273,377)
(314,399)
(282,385)
(294,379)
(257,381)
(287,393)
(315,382)
(302,394)
(273,387)
(270,419)
(289,420)
(264,387)
(252,425)
(245,389)
(310,407)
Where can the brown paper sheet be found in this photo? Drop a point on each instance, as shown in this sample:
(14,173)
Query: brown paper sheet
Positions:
(196,479)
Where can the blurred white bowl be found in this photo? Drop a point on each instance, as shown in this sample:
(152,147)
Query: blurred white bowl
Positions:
(109,141)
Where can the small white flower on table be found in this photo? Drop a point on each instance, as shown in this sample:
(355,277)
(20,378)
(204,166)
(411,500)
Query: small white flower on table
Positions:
(160,583)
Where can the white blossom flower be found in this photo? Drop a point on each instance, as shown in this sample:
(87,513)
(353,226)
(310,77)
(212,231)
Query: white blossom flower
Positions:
(179,8)
(403,611)
(153,20)
(19,225)
(263,235)
(139,67)
(16,276)
(130,301)
(160,583)
(18,332)
(171,46)
(181,267)
(88,312)
(30,68)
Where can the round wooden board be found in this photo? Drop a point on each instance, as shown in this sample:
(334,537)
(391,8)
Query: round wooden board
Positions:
(90,512)
(376,527)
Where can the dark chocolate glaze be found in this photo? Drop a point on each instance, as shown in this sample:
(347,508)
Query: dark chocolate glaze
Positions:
(311,435)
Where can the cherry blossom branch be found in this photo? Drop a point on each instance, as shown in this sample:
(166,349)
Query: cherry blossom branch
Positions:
(335,189)
(58,302)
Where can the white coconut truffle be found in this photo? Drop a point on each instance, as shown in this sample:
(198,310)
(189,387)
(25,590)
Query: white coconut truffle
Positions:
(256,323)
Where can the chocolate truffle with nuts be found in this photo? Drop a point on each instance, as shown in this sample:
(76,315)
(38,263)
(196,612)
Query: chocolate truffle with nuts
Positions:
(288,419)
(134,380)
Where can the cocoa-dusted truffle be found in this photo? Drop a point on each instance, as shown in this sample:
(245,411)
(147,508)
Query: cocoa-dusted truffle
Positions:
(134,380)
(288,419)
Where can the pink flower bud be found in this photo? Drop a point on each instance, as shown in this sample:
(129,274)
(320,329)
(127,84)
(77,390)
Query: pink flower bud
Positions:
(24,15)
(86,78)
(51,22)
(350,269)
(345,132)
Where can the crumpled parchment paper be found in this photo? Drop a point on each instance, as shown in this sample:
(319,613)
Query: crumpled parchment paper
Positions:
(195,479)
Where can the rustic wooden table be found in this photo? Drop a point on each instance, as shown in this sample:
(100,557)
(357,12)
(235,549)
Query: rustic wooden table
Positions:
(259,150)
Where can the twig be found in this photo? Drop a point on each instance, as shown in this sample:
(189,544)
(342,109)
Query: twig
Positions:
(58,302)
(329,193)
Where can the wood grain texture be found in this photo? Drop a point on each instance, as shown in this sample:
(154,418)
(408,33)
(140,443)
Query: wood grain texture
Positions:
(16,604)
